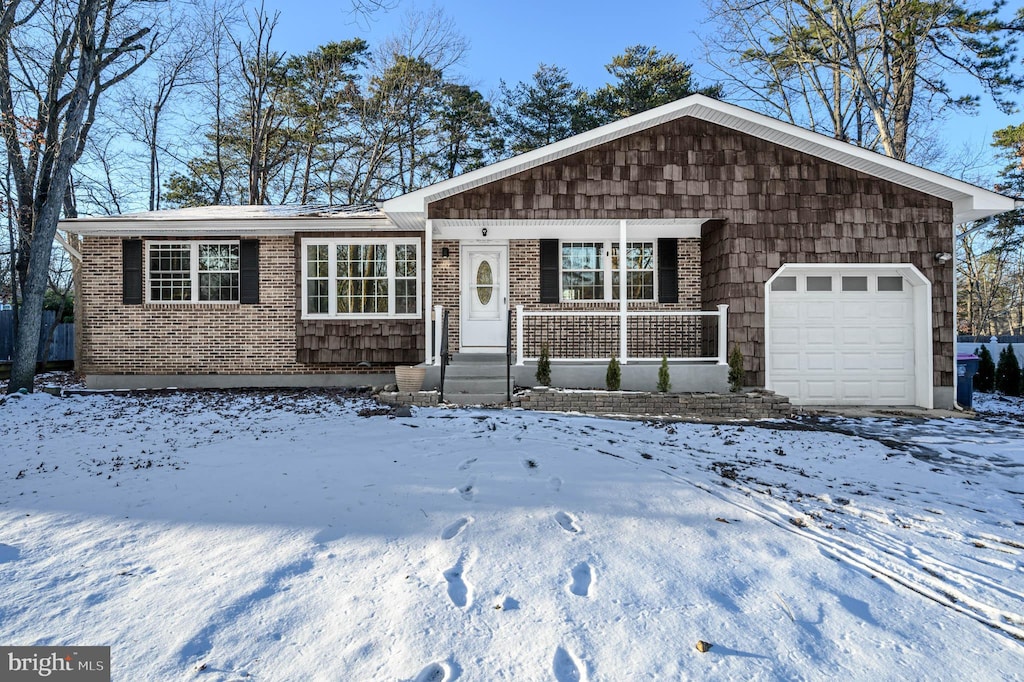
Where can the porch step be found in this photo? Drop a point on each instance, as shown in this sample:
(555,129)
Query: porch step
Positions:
(475,370)
(478,359)
(475,398)
(476,379)
(475,384)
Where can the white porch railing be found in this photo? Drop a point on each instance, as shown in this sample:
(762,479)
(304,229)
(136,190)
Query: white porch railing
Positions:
(595,335)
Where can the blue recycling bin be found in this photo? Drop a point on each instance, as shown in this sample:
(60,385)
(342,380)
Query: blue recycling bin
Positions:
(966,368)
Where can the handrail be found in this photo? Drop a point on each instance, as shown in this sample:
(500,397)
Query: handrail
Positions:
(508,357)
(444,351)
(718,333)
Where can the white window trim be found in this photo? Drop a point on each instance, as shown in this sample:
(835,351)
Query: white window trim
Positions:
(193,263)
(608,270)
(332,278)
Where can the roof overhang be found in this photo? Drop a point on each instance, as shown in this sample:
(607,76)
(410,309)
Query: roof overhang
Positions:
(233,220)
(969,201)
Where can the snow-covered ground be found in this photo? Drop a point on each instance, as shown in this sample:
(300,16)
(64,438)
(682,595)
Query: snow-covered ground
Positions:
(309,536)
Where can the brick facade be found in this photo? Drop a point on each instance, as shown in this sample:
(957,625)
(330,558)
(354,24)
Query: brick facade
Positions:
(574,334)
(770,205)
(226,338)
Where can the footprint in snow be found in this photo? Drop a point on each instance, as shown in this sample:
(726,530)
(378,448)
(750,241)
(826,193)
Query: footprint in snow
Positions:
(566,668)
(468,463)
(458,590)
(567,522)
(582,578)
(555,483)
(435,672)
(466,491)
(455,527)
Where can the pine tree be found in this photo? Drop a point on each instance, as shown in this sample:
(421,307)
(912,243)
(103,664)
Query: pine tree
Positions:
(544,366)
(1008,372)
(736,369)
(644,78)
(613,379)
(540,112)
(664,383)
(985,379)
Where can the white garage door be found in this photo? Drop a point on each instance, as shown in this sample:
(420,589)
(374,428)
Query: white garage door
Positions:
(842,337)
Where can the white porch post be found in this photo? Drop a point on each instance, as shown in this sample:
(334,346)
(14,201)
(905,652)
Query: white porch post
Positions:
(438,339)
(723,342)
(519,336)
(623,305)
(428,292)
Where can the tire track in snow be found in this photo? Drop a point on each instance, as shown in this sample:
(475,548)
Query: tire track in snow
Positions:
(931,587)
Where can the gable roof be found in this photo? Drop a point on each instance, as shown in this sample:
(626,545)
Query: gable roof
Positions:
(969,201)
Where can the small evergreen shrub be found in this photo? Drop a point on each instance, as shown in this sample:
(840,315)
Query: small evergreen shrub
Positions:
(544,366)
(985,379)
(664,382)
(613,378)
(736,369)
(1008,372)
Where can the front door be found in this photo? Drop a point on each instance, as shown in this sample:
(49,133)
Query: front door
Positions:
(484,297)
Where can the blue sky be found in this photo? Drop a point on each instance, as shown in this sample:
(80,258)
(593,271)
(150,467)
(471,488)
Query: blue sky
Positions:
(509,39)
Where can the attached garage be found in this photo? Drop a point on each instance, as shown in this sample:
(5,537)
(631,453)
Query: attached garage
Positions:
(849,334)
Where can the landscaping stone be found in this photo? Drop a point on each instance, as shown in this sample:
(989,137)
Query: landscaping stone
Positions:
(698,406)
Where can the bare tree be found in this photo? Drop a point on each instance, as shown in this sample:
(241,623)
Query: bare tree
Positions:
(175,68)
(57,57)
(864,70)
(263,77)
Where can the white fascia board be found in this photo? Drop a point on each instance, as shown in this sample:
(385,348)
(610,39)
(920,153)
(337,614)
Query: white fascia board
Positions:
(582,229)
(970,202)
(969,209)
(188,228)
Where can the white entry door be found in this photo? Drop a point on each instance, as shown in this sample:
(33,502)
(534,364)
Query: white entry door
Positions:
(484,297)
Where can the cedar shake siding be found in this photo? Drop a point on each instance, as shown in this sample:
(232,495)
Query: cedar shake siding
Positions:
(770,205)
(267,337)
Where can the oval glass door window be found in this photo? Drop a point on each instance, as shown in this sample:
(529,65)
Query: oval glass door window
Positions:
(484,283)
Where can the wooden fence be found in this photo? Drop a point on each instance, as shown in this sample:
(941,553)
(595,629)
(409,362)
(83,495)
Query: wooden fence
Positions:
(62,350)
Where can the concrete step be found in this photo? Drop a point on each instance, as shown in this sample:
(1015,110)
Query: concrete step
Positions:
(474,398)
(474,384)
(478,358)
(474,370)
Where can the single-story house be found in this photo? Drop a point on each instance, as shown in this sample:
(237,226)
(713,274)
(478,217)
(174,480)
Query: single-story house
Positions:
(683,231)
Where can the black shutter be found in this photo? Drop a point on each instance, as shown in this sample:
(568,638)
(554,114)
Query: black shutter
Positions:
(131,271)
(549,271)
(668,271)
(249,271)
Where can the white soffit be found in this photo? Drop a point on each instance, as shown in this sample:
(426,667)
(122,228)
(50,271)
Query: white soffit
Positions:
(969,201)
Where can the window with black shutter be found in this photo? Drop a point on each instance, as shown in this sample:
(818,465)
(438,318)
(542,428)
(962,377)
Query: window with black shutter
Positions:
(549,257)
(249,271)
(131,271)
(668,271)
